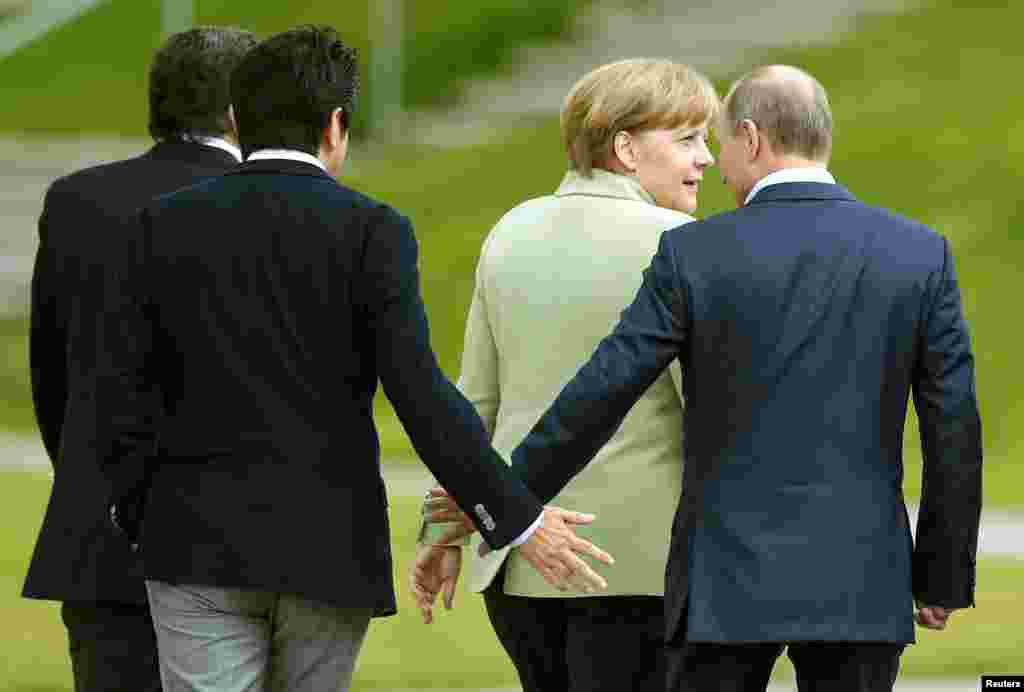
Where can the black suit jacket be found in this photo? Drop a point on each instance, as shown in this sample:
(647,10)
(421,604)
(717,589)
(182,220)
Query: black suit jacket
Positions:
(267,305)
(86,217)
(803,321)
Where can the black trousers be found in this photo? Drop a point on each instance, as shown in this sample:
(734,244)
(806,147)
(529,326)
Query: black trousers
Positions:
(592,644)
(112,647)
(820,666)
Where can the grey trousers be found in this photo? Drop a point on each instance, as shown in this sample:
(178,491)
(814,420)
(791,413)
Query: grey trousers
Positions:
(212,639)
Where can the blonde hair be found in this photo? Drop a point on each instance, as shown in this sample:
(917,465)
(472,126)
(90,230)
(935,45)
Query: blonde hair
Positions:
(635,94)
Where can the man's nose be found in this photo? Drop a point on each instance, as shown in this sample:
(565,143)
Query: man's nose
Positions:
(705,157)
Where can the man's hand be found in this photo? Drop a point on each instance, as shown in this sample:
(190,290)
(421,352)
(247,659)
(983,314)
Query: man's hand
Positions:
(436,569)
(440,508)
(126,518)
(552,551)
(933,617)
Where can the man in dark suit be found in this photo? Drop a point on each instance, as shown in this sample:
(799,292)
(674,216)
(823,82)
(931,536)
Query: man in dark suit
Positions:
(264,306)
(802,320)
(78,558)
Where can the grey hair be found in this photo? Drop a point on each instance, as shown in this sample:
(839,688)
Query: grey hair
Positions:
(789,106)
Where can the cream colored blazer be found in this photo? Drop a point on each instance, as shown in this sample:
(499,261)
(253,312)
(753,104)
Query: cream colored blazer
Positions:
(554,275)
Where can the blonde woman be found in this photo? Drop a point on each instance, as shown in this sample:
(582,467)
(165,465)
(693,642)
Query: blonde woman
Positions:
(554,275)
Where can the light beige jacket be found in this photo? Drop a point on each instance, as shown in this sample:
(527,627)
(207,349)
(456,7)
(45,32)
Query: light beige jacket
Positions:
(554,275)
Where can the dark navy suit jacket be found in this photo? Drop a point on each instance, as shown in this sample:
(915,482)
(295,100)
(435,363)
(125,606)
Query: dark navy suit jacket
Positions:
(86,218)
(265,307)
(803,321)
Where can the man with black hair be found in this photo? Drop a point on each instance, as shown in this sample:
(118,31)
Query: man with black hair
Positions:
(86,220)
(264,306)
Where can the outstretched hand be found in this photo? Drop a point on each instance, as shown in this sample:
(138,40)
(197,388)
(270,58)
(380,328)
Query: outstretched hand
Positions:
(554,550)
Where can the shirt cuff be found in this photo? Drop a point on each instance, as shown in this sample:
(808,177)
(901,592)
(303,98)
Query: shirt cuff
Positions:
(525,535)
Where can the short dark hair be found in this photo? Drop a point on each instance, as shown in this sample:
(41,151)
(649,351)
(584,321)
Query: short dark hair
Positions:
(788,105)
(189,78)
(286,88)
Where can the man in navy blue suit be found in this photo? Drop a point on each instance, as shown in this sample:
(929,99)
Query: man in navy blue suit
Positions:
(803,321)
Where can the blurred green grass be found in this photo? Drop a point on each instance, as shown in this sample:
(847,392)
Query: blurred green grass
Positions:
(459,650)
(924,126)
(81,63)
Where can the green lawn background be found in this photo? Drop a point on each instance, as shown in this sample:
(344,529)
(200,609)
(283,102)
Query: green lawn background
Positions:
(459,650)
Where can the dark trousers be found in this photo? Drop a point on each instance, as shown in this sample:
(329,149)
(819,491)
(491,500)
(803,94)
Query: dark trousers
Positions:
(112,647)
(820,666)
(591,644)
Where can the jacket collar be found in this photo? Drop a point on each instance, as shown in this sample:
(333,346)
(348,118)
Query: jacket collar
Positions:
(190,152)
(602,183)
(801,174)
(791,192)
(279,166)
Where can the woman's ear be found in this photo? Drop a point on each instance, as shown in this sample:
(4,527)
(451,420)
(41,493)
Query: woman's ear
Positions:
(624,149)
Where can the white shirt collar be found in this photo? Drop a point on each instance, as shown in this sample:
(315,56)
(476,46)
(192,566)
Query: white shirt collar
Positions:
(216,142)
(289,154)
(812,174)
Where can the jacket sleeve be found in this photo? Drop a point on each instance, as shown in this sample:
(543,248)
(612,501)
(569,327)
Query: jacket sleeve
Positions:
(478,381)
(944,396)
(444,428)
(48,338)
(652,332)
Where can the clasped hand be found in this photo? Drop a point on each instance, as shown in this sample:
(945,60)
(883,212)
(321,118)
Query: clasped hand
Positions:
(932,617)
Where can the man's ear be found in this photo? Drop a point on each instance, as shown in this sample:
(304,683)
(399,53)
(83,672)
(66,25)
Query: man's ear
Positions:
(232,123)
(624,149)
(753,140)
(335,133)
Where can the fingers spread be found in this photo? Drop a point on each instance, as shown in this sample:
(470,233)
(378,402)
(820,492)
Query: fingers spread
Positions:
(585,547)
(585,576)
(570,517)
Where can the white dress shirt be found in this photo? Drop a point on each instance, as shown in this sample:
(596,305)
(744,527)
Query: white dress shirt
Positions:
(525,535)
(217,143)
(288,154)
(811,174)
